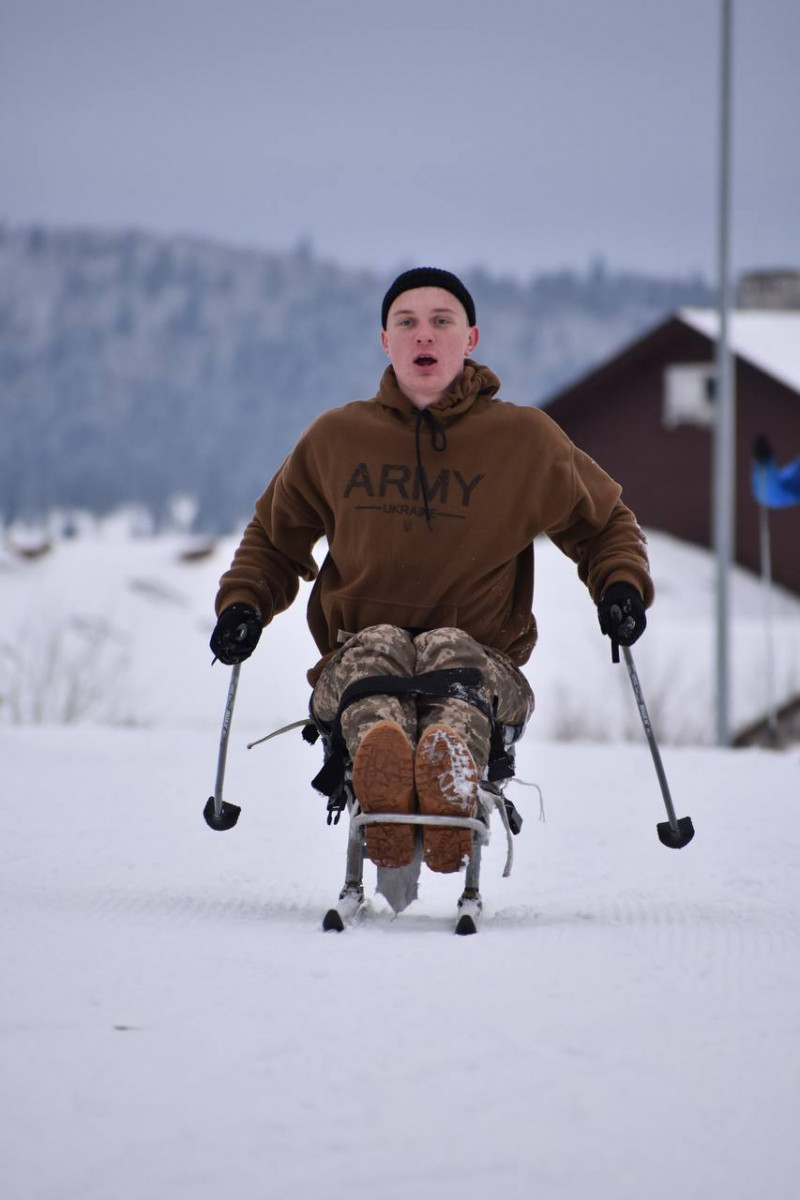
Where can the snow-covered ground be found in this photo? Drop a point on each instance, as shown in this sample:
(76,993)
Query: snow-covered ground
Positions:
(174,1024)
(138,616)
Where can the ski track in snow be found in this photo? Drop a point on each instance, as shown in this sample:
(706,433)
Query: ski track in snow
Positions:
(175,1025)
(174,1022)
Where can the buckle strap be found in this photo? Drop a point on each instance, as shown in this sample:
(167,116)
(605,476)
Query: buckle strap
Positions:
(458,683)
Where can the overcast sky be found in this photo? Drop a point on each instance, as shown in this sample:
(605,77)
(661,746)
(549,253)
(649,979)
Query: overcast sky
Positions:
(520,134)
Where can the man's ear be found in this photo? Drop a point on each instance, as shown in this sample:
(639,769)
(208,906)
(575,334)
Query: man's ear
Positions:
(473,339)
(384,341)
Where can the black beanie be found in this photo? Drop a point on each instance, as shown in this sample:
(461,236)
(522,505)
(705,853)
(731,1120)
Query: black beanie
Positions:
(420,277)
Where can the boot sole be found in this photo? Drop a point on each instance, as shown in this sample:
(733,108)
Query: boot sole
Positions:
(447,786)
(383,780)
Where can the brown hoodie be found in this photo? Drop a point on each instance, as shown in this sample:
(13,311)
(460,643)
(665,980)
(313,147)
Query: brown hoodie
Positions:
(431,523)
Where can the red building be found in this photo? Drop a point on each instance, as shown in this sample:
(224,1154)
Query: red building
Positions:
(647,416)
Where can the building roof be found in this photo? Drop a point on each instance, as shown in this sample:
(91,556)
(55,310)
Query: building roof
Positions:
(769,339)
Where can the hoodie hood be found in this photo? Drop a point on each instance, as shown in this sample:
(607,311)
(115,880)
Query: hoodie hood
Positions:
(476,383)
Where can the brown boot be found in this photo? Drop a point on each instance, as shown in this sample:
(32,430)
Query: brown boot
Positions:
(383,781)
(447,786)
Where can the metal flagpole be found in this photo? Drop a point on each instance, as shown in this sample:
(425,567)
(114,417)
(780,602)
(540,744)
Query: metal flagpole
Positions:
(725,422)
(766,580)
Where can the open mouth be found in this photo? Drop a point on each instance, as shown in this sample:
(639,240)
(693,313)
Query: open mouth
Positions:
(425,360)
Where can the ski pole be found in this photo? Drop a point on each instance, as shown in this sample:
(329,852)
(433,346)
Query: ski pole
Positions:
(677,831)
(218,814)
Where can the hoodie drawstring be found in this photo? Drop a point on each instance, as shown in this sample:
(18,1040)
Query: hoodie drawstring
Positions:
(438,443)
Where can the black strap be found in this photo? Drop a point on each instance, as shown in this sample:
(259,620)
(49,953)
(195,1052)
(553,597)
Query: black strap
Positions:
(454,683)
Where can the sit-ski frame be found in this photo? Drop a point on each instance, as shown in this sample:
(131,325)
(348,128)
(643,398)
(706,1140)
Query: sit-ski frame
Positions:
(351,897)
(674,833)
(221,815)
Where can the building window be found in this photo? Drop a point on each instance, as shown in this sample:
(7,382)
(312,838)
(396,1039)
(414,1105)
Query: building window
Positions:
(689,394)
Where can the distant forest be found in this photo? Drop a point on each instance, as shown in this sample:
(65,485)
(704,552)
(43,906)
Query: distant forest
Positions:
(135,368)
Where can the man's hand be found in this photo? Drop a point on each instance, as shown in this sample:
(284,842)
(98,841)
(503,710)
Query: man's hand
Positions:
(236,634)
(621,613)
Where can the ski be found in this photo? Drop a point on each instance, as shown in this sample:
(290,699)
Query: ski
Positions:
(469,913)
(344,911)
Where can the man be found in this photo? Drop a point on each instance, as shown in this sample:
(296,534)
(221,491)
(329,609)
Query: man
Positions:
(430,496)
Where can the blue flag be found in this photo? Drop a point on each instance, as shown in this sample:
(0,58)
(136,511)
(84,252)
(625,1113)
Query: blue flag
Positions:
(774,486)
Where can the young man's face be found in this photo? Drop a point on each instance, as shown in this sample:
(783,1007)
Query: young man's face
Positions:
(427,338)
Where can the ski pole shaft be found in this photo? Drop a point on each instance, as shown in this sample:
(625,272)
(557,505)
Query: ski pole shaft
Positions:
(218,814)
(223,740)
(676,832)
(651,741)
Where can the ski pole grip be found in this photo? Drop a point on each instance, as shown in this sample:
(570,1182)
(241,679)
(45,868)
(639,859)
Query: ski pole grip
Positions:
(616,619)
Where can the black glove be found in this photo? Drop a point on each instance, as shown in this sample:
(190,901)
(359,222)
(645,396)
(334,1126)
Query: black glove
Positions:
(236,634)
(621,614)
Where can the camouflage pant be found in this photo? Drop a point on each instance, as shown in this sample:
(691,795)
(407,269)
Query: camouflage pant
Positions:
(388,650)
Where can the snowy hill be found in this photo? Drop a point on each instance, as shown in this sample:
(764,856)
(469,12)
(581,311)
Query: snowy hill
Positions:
(135,367)
(135,614)
(174,1025)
